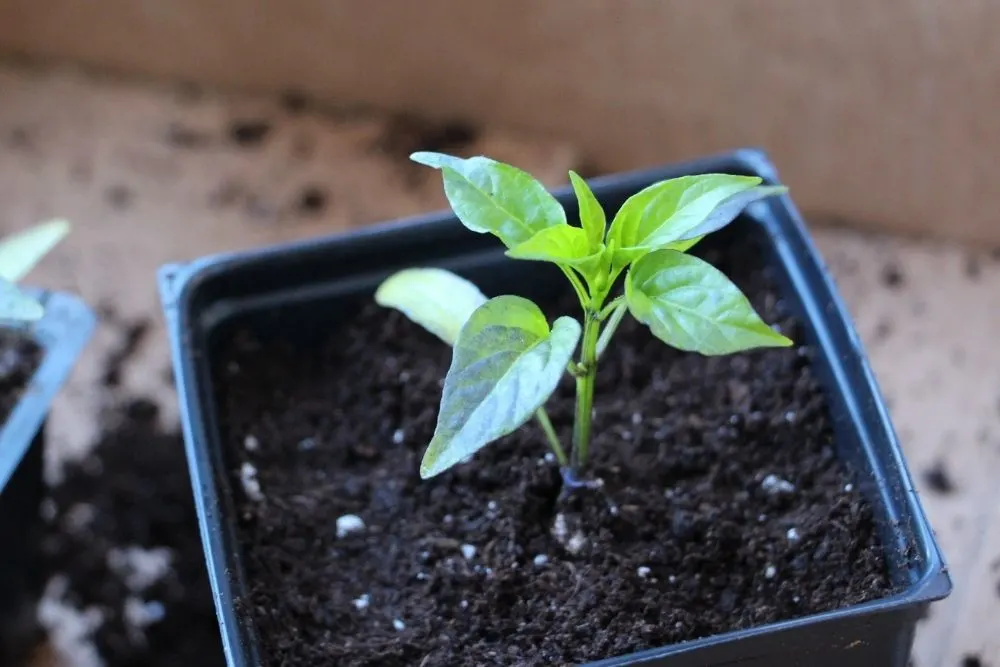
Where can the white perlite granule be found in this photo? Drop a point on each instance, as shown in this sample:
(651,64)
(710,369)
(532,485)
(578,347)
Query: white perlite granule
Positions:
(349,523)
(71,630)
(140,614)
(773,484)
(140,568)
(248,478)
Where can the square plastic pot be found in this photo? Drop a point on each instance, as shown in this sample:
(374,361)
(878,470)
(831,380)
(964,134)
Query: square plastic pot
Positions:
(62,334)
(303,289)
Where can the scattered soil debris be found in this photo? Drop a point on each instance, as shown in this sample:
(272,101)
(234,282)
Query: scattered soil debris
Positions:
(249,133)
(312,200)
(883,330)
(119,196)
(938,480)
(18,138)
(973,269)
(892,276)
(132,336)
(294,101)
(186,137)
(405,134)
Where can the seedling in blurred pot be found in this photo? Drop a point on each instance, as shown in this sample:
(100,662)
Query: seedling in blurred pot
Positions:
(19,253)
(508,359)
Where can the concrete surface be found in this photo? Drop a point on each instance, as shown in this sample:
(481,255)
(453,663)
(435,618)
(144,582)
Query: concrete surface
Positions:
(150,174)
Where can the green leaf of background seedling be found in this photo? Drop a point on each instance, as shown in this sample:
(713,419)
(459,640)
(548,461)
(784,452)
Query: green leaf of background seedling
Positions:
(15,305)
(506,364)
(490,196)
(689,304)
(561,245)
(20,252)
(438,300)
(668,211)
(592,218)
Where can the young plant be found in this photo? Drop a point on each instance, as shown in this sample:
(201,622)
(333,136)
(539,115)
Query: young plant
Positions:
(19,253)
(507,359)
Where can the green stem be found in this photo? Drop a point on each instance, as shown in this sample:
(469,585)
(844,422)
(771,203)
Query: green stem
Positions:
(609,329)
(610,308)
(581,291)
(550,433)
(585,391)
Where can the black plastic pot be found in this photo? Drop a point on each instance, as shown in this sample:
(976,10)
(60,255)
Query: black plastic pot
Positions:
(62,333)
(296,289)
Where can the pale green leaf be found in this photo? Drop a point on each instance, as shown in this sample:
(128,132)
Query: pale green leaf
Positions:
(689,304)
(20,252)
(561,244)
(669,210)
(16,305)
(436,299)
(592,218)
(506,364)
(683,246)
(727,211)
(490,196)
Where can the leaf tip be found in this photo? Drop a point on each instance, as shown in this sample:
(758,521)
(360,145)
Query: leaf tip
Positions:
(429,468)
(782,341)
(382,291)
(427,158)
(59,226)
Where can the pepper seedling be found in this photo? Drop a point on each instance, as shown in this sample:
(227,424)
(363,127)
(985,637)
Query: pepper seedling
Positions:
(19,253)
(507,360)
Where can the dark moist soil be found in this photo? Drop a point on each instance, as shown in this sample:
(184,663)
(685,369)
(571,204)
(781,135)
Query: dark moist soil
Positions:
(705,540)
(134,491)
(19,359)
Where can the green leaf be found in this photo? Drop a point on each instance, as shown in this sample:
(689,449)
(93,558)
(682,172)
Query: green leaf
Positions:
(727,211)
(683,246)
(562,244)
(506,363)
(689,304)
(16,305)
(490,196)
(592,218)
(436,299)
(20,252)
(669,211)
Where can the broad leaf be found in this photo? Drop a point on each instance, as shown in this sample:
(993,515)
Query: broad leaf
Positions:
(436,299)
(668,211)
(562,244)
(592,218)
(727,211)
(490,196)
(683,246)
(506,363)
(689,304)
(16,305)
(20,252)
